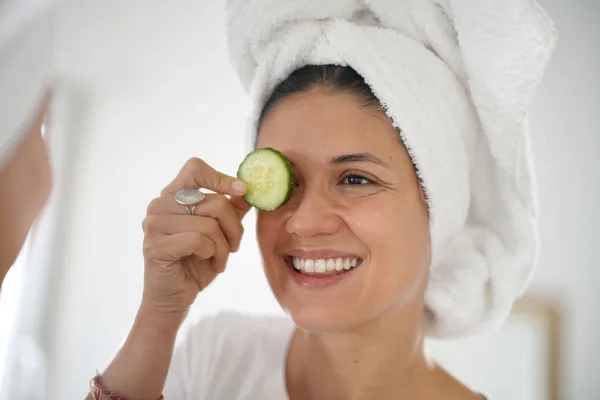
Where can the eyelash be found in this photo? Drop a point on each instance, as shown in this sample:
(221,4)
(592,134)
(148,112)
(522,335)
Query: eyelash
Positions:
(347,175)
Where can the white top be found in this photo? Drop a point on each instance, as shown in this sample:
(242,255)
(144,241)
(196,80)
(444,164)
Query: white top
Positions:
(231,356)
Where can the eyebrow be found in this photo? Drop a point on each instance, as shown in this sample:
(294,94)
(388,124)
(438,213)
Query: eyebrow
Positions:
(357,157)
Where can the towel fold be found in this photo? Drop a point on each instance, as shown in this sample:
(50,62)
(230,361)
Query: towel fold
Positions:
(457,78)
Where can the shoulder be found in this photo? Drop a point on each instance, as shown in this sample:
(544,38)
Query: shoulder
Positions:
(217,349)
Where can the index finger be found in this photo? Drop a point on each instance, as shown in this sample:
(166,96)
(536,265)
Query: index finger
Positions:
(198,174)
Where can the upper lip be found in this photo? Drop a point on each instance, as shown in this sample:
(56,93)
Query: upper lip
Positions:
(320,254)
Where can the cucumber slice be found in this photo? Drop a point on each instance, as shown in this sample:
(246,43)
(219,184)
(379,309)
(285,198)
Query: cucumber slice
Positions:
(270,179)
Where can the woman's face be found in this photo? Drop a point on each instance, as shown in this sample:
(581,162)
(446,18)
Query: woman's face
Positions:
(357,204)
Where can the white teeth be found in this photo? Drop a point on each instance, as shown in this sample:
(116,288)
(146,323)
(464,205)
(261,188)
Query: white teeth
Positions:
(347,264)
(322,265)
(309,266)
(330,264)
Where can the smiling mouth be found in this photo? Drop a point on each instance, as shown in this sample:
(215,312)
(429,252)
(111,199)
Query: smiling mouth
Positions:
(322,267)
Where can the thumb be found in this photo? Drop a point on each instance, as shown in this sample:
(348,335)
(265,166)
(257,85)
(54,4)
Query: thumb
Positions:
(226,184)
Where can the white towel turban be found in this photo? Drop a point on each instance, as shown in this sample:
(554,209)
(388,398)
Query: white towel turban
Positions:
(457,77)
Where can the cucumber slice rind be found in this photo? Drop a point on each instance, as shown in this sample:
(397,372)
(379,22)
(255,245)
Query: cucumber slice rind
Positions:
(267,193)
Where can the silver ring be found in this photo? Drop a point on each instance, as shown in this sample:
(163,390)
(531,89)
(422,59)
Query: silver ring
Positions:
(189,198)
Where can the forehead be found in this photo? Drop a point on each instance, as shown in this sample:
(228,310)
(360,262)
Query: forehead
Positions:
(327,123)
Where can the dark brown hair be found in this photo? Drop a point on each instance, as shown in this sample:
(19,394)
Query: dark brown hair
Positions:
(334,77)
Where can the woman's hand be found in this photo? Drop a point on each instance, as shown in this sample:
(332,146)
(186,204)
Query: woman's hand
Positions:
(184,253)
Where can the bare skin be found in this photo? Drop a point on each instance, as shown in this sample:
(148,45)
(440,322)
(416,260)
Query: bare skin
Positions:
(361,340)
(25,184)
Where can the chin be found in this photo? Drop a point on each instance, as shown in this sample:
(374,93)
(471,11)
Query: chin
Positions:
(320,302)
(320,297)
(322,319)
(325,296)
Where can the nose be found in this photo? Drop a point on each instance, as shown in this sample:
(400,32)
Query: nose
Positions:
(314,215)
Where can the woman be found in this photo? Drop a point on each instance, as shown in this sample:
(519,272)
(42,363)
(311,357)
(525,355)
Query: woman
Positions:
(407,220)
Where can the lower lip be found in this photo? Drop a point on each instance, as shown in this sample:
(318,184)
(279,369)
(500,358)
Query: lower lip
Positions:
(315,281)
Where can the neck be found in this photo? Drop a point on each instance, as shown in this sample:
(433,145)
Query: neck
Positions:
(381,359)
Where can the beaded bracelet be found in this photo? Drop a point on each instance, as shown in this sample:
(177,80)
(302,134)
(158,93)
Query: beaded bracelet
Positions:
(99,393)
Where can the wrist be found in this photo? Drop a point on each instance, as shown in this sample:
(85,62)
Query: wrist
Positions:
(140,367)
(158,314)
(166,303)
(99,392)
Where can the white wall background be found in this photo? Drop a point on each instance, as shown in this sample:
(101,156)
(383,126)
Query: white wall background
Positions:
(150,87)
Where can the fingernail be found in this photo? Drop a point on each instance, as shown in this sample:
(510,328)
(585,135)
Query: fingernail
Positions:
(239,187)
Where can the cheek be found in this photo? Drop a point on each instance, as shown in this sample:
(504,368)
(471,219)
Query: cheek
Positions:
(387,220)
(396,235)
(268,230)
(268,233)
